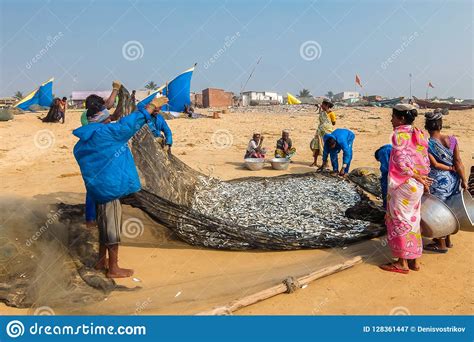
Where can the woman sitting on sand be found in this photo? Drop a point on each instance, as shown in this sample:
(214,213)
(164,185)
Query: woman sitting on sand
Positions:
(284,146)
(407,179)
(447,169)
(254,148)
(327,119)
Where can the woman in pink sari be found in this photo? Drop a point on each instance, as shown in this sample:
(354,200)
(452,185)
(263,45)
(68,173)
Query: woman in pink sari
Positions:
(407,180)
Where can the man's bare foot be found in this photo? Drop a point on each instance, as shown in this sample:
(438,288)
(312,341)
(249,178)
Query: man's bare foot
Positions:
(119,273)
(314,164)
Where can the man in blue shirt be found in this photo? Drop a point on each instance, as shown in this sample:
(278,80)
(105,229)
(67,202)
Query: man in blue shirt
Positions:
(109,171)
(339,139)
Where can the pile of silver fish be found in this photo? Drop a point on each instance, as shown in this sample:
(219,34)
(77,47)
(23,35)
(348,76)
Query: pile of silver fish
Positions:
(290,208)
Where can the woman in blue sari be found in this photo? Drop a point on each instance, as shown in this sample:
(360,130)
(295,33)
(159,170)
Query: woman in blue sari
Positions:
(447,169)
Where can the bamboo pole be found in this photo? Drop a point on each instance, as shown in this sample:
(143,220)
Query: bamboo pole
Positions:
(280,288)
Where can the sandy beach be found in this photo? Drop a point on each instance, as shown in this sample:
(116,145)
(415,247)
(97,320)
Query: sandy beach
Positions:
(36,159)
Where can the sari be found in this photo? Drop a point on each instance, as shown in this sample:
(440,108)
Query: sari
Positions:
(445,183)
(409,157)
(325,126)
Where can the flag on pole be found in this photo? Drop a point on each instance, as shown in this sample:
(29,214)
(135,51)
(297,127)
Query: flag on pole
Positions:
(177,91)
(42,96)
(430,85)
(292,100)
(358,81)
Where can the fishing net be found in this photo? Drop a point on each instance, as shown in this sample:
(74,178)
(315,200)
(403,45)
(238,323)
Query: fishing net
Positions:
(285,212)
(182,207)
(6,114)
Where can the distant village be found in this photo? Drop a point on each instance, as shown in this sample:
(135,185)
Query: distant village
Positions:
(218,98)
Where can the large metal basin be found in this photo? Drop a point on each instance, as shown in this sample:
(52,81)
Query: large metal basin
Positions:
(254,164)
(280,163)
(462,206)
(437,220)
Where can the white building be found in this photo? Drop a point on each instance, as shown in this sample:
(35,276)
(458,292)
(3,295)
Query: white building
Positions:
(345,95)
(261,97)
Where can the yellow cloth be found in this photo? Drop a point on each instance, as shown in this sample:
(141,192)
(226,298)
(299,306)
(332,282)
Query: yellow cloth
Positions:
(332,116)
(281,154)
(292,100)
(325,127)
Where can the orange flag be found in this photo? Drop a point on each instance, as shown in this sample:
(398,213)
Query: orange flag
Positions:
(358,81)
(430,85)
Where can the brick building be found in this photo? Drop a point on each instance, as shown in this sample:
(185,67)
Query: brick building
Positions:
(212,97)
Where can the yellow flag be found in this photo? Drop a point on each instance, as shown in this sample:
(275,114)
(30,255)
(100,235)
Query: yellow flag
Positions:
(292,100)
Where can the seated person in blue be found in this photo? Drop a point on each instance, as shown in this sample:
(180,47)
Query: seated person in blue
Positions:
(339,139)
(382,155)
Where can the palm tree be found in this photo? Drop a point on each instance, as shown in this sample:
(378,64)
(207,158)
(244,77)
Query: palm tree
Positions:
(18,95)
(304,93)
(151,85)
(329,94)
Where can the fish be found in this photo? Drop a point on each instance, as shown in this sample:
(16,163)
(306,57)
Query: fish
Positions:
(280,213)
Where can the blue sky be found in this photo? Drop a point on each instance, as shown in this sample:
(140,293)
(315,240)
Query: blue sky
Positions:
(83,45)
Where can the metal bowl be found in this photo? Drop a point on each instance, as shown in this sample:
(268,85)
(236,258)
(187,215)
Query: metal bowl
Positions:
(437,220)
(462,206)
(280,163)
(254,164)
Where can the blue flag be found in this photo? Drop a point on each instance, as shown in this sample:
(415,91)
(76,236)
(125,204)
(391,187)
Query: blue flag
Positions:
(177,91)
(42,96)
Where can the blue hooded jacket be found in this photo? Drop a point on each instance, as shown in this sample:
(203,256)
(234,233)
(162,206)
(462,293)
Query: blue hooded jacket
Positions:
(344,140)
(106,163)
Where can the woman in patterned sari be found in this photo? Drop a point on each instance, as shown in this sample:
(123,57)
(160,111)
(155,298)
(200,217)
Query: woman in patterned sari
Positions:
(327,121)
(447,169)
(407,179)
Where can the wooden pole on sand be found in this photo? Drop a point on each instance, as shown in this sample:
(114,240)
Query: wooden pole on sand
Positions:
(289,285)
